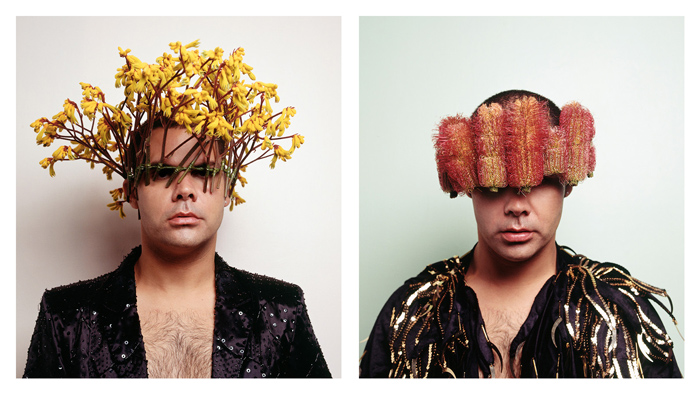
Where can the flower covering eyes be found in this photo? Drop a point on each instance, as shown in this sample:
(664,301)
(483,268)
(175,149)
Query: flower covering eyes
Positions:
(215,98)
(514,145)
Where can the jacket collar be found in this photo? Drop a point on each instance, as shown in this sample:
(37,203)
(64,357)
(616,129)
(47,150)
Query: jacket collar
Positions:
(235,311)
(119,323)
(465,306)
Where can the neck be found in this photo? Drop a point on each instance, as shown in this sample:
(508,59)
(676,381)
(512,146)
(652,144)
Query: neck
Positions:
(175,271)
(489,267)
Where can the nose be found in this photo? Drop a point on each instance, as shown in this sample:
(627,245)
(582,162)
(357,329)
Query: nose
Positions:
(517,203)
(185,189)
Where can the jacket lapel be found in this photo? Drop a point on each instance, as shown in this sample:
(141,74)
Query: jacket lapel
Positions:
(120,352)
(236,310)
(117,346)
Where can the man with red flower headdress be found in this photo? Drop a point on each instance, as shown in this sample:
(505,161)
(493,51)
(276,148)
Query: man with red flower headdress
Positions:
(518,304)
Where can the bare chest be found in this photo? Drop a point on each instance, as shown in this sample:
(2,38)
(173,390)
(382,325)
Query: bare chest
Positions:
(178,343)
(502,326)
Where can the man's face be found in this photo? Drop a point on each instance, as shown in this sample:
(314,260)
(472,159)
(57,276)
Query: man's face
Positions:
(516,226)
(183,216)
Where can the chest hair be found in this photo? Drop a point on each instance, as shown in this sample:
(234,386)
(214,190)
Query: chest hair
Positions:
(178,343)
(502,326)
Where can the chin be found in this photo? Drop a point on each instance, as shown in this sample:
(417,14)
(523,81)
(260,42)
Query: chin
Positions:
(518,252)
(184,242)
(187,243)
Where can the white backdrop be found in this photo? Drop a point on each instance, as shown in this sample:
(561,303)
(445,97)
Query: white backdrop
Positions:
(628,71)
(290,226)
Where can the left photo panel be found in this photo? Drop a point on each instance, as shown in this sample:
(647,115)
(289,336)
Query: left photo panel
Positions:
(178,197)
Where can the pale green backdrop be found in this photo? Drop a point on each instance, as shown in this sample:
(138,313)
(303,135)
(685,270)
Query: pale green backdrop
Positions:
(628,71)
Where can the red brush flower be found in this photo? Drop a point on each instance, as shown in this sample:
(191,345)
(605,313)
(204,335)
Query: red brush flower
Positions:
(489,132)
(577,123)
(591,160)
(455,156)
(556,156)
(512,143)
(527,130)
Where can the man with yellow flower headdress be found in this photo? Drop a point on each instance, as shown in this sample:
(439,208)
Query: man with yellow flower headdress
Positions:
(189,125)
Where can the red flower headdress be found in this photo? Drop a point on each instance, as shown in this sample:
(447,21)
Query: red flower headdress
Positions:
(516,146)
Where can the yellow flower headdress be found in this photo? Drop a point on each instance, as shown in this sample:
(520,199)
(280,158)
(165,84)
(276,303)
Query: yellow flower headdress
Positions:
(203,92)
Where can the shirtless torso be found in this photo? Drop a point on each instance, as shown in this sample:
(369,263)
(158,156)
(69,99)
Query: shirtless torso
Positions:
(502,326)
(178,333)
(505,292)
(178,343)
(504,312)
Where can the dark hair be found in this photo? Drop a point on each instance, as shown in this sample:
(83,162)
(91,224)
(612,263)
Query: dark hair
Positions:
(508,96)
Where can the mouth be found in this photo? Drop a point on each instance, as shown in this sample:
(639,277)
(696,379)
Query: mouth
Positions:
(184,219)
(517,235)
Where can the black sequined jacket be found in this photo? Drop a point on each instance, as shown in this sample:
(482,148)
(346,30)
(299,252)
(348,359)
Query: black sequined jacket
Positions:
(589,320)
(92,329)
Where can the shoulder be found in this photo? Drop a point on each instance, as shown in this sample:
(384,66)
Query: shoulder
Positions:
(418,296)
(609,274)
(92,292)
(404,326)
(611,283)
(435,278)
(260,286)
(607,295)
(268,287)
(75,295)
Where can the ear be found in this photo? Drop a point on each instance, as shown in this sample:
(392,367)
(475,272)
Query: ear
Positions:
(567,190)
(133,201)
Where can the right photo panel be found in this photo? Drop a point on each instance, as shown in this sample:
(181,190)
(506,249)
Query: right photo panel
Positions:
(521,197)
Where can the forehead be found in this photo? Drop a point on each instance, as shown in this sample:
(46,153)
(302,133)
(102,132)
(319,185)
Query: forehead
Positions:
(177,147)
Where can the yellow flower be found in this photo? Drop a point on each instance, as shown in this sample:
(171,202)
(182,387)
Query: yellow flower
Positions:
(236,199)
(89,108)
(193,44)
(46,135)
(267,144)
(117,193)
(60,117)
(108,172)
(297,140)
(78,149)
(117,206)
(69,109)
(207,93)
(48,162)
(36,125)
(280,153)
(63,153)
(242,181)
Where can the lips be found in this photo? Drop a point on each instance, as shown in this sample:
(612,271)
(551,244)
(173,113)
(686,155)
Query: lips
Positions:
(517,235)
(184,219)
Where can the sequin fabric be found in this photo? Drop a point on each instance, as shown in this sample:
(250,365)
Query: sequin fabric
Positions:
(589,320)
(91,329)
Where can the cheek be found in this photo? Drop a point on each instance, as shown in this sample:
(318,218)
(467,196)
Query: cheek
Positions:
(215,202)
(150,198)
(486,212)
(552,210)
